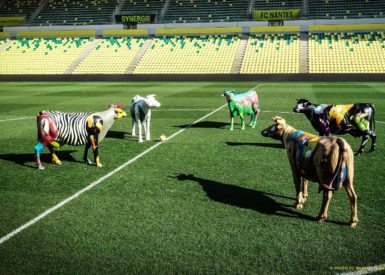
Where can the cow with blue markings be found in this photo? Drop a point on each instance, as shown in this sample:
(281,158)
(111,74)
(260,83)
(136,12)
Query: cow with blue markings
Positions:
(241,104)
(329,161)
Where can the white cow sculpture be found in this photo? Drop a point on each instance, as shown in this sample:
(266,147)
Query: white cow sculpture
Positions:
(140,110)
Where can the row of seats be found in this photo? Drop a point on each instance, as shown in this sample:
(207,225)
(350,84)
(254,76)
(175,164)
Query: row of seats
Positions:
(347,52)
(333,9)
(182,11)
(76,12)
(41,55)
(110,56)
(272,53)
(358,52)
(194,54)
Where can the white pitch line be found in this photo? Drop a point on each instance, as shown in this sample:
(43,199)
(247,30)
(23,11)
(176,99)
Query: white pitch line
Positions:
(93,184)
(19,118)
(365,270)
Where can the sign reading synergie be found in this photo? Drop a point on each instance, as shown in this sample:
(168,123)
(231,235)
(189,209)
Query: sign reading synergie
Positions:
(134,18)
(272,15)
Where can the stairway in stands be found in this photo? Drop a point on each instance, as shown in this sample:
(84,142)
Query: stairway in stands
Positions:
(304,53)
(138,57)
(239,55)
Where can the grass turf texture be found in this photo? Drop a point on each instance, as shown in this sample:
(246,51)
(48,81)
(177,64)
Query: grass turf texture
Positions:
(207,201)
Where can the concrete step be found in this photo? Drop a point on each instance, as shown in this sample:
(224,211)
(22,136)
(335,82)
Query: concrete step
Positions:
(81,57)
(236,68)
(135,61)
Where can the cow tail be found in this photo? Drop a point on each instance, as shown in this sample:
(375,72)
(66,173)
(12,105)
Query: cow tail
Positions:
(342,170)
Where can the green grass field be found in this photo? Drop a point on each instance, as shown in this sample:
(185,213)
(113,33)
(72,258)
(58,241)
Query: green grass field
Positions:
(206,201)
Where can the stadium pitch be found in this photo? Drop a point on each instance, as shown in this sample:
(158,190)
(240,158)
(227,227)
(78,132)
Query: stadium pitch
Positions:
(208,200)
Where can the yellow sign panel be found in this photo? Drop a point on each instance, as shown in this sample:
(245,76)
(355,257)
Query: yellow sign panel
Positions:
(11,21)
(276,14)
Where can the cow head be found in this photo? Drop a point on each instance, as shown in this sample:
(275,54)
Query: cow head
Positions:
(151,101)
(119,113)
(276,130)
(302,106)
(228,93)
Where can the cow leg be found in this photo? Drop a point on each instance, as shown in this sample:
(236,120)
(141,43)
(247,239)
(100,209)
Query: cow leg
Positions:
(85,155)
(374,145)
(242,117)
(323,214)
(365,139)
(305,184)
(95,147)
(55,158)
(353,202)
(147,127)
(252,117)
(133,127)
(232,124)
(38,149)
(140,130)
(299,201)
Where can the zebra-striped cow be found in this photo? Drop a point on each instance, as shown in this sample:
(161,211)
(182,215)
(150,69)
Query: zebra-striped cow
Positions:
(58,128)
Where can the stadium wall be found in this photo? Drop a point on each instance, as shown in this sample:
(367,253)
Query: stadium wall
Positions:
(199,77)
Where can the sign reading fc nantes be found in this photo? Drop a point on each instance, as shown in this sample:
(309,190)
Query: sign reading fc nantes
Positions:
(276,14)
(134,18)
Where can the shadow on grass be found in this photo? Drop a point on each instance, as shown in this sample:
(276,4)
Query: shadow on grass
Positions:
(207,124)
(258,144)
(116,134)
(243,197)
(247,198)
(23,159)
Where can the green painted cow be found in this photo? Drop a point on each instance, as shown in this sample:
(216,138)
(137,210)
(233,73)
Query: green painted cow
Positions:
(241,104)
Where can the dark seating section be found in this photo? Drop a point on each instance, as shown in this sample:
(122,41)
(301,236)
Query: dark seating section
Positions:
(19,7)
(277,4)
(90,12)
(142,7)
(336,9)
(76,12)
(182,11)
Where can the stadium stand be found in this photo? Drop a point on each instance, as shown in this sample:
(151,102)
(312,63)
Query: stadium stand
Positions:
(41,55)
(277,4)
(111,56)
(76,12)
(20,8)
(204,54)
(271,53)
(333,9)
(142,7)
(353,52)
(182,11)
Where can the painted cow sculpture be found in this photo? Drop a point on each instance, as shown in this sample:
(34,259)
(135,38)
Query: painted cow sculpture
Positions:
(241,104)
(356,119)
(329,161)
(58,128)
(140,109)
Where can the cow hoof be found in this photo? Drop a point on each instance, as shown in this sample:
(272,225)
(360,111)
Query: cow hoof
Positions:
(148,138)
(298,206)
(40,167)
(353,224)
(321,219)
(56,162)
(133,135)
(140,140)
(99,165)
